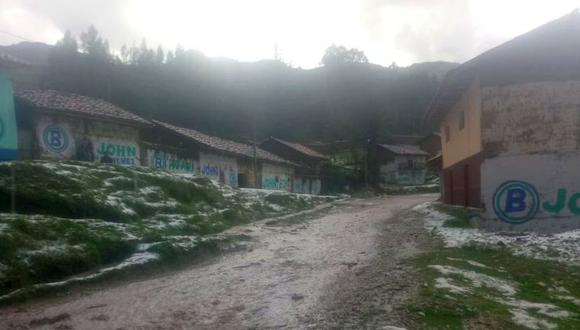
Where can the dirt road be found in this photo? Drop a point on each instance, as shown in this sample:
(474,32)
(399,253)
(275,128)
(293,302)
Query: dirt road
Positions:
(339,269)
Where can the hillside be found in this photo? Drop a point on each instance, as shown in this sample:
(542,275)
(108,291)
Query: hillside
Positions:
(75,217)
(240,100)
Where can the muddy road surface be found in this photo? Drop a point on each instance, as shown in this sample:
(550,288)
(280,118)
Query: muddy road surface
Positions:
(342,268)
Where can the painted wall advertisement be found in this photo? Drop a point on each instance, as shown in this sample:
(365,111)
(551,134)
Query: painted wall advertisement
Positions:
(219,168)
(55,139)
(170,162)
(120,152)
(276,177)
(544,196)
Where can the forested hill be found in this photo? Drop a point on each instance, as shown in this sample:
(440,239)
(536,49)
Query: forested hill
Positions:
(352,101)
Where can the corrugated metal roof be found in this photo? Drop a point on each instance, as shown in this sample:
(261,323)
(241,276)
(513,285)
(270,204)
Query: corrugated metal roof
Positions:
(78,104)
(224,145)
(404,149)
(301,149)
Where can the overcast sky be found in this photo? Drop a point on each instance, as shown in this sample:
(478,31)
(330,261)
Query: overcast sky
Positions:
(401,31)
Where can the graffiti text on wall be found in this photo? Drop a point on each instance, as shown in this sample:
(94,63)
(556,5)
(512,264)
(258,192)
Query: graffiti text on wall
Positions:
(55,138)
(120,154)
(275,183)
(227,174)
(170,162)
(517,202)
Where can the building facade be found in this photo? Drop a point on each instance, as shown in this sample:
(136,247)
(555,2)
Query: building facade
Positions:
(400,164)
(308,177)
(510,123)
(66,126)
(228,162)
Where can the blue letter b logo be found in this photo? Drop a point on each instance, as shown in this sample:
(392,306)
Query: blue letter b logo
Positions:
(515,200)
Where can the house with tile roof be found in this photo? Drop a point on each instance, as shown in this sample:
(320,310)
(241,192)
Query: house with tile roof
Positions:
(308,177)
(59,125)
(225,161)
(510,123)
(399,164)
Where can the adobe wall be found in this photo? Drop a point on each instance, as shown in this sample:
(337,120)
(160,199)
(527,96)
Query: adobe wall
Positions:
(531,158)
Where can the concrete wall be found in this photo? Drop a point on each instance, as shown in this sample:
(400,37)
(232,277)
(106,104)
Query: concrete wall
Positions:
(62,137)
(277,177)
(531,161)
(397,171)
(466,142)
(220,168)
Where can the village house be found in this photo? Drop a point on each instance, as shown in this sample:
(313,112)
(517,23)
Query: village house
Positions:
(510,123)
(60,125)
(400,164)
(232,163)
(308,177)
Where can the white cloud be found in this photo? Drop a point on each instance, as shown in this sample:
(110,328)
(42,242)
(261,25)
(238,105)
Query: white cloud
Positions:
(404,31)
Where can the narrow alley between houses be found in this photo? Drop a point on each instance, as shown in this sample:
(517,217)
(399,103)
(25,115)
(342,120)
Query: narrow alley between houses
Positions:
(340,267)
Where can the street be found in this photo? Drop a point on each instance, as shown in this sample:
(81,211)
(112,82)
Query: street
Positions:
(339,268)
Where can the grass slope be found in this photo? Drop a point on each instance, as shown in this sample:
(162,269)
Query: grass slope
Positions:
(74,217)
(492,286)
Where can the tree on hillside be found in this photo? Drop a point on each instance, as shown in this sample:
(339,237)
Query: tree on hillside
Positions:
(68,43)
(93,45)
(341,55)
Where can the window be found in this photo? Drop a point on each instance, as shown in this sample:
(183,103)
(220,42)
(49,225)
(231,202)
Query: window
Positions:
(447,134)
(461,120)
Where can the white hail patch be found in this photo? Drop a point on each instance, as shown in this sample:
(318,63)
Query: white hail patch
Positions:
(520,309)
(563,247)
(444,283)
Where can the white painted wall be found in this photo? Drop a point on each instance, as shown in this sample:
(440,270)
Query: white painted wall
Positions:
(62,137)
(220,168)
(277,177)
(168,161)
(549,174)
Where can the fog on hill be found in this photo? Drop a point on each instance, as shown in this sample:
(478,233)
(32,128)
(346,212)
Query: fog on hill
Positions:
(346,99)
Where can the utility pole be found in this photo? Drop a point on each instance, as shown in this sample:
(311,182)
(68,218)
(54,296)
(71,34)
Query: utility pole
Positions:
(13,190)
(255,147)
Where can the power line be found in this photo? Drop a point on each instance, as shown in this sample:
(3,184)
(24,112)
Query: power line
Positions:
(16,36)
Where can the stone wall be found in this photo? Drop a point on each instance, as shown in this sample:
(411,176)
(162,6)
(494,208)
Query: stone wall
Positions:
(530,118)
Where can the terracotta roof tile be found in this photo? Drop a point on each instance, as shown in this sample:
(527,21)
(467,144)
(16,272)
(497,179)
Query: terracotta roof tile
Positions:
(403,149)
(73,103)
(224,145)
(301,148)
